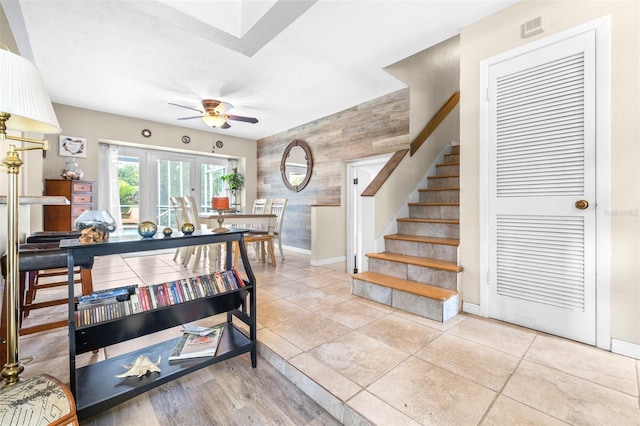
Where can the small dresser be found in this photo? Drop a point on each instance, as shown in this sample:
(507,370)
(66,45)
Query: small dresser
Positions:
(80,193)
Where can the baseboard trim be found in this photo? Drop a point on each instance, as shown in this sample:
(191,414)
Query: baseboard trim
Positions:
(471,308)
(297,250)
(328,261)
(625,348)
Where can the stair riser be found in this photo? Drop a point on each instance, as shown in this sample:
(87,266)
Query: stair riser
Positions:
(443,230)
(421,274)
(443,170)
(436,310)
(455,149)
(427,250)
(446,196)
(435,212)
(452,158)
(448,182)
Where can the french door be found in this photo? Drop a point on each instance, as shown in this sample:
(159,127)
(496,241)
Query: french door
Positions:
(542,181)
(149,178)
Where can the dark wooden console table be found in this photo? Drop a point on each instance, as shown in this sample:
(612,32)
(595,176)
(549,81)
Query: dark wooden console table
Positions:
(95,386)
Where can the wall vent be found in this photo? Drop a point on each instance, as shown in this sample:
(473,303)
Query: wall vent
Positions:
(532,27)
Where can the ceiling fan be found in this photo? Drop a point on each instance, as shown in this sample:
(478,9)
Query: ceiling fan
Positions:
(215,114)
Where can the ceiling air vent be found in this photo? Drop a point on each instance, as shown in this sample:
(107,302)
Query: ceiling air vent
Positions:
(532,27)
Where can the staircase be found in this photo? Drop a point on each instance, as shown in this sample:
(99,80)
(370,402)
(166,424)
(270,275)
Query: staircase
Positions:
(419,270)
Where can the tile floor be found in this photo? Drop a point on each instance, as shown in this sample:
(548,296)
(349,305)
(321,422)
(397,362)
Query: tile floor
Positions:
(369,363)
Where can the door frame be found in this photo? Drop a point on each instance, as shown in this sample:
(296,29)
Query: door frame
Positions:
(359,235)
(602,28)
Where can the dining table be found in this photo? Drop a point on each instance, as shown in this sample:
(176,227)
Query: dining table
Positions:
(240,220)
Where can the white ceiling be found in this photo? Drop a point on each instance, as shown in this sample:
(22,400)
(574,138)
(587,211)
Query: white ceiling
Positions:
(285,62)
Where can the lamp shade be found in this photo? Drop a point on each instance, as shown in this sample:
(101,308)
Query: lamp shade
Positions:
(214,120)
(23,95)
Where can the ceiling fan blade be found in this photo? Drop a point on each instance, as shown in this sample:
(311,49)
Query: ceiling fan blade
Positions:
(225,125)
(241,118)
(190,118)
(182,106)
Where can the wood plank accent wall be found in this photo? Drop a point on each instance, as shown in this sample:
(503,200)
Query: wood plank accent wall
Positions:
(376,127)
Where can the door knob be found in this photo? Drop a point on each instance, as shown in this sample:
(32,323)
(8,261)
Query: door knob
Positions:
(582,204)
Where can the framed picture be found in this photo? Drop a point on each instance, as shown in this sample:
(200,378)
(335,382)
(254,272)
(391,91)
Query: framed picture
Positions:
(71,146)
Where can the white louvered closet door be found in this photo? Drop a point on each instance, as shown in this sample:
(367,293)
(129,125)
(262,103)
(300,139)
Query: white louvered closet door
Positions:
(542,161)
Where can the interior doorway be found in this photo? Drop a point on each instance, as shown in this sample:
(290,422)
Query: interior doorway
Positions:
(360,215)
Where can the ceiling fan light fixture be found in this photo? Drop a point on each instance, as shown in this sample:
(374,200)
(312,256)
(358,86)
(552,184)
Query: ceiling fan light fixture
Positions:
(214,120)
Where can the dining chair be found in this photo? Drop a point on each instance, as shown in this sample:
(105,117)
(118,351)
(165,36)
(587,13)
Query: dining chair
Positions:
(260,206)
(277,207)
(179,210)
(213,250)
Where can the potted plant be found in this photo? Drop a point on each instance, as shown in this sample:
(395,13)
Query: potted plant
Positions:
(234,182)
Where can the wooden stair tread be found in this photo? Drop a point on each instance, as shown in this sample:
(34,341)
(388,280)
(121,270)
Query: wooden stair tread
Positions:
(454,163)
(443,176)
(413,287)
(453,188)
(420,239)
(434,204)
(417,261)
(426,220)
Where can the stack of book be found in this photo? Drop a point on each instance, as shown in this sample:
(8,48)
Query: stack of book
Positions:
(105,305)
(197,343)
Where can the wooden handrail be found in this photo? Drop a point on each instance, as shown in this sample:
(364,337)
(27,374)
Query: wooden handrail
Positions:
(435,122)
(386,171)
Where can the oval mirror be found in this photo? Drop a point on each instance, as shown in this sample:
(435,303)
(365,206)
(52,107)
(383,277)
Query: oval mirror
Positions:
(296,165)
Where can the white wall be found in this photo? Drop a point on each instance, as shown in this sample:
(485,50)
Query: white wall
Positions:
(433,76)
(501,32)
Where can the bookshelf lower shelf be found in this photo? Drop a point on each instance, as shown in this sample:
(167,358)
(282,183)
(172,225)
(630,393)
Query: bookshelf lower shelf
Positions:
(99,390)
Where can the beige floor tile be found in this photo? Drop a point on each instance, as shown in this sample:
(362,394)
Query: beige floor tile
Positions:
(315,300)
(325,376)
(341,288)
(400,333)
(360,358)
(483,365)
(614,371)
(437,325)
(112,276)
(320,281)
(371,303)
(506,411)
(569,398)
(298,331)
(286,288)
(431,395)
(379,412)
(296,274)
(501,336)
(263,295)
(278,344)
(352,314)
(276,311)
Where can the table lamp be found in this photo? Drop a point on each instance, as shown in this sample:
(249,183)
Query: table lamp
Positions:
(24,107)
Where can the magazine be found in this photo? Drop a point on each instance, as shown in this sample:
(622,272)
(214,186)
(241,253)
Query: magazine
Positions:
(195,346)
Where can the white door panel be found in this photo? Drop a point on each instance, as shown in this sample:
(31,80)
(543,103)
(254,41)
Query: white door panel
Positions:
(542,161)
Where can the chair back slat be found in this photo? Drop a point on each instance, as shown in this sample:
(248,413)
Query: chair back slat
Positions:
(179,209)
(278,206)
(191,209)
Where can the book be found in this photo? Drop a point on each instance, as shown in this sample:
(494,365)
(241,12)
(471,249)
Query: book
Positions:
(196,346)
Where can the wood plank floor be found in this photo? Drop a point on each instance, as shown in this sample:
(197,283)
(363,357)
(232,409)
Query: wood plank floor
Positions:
(227,393)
